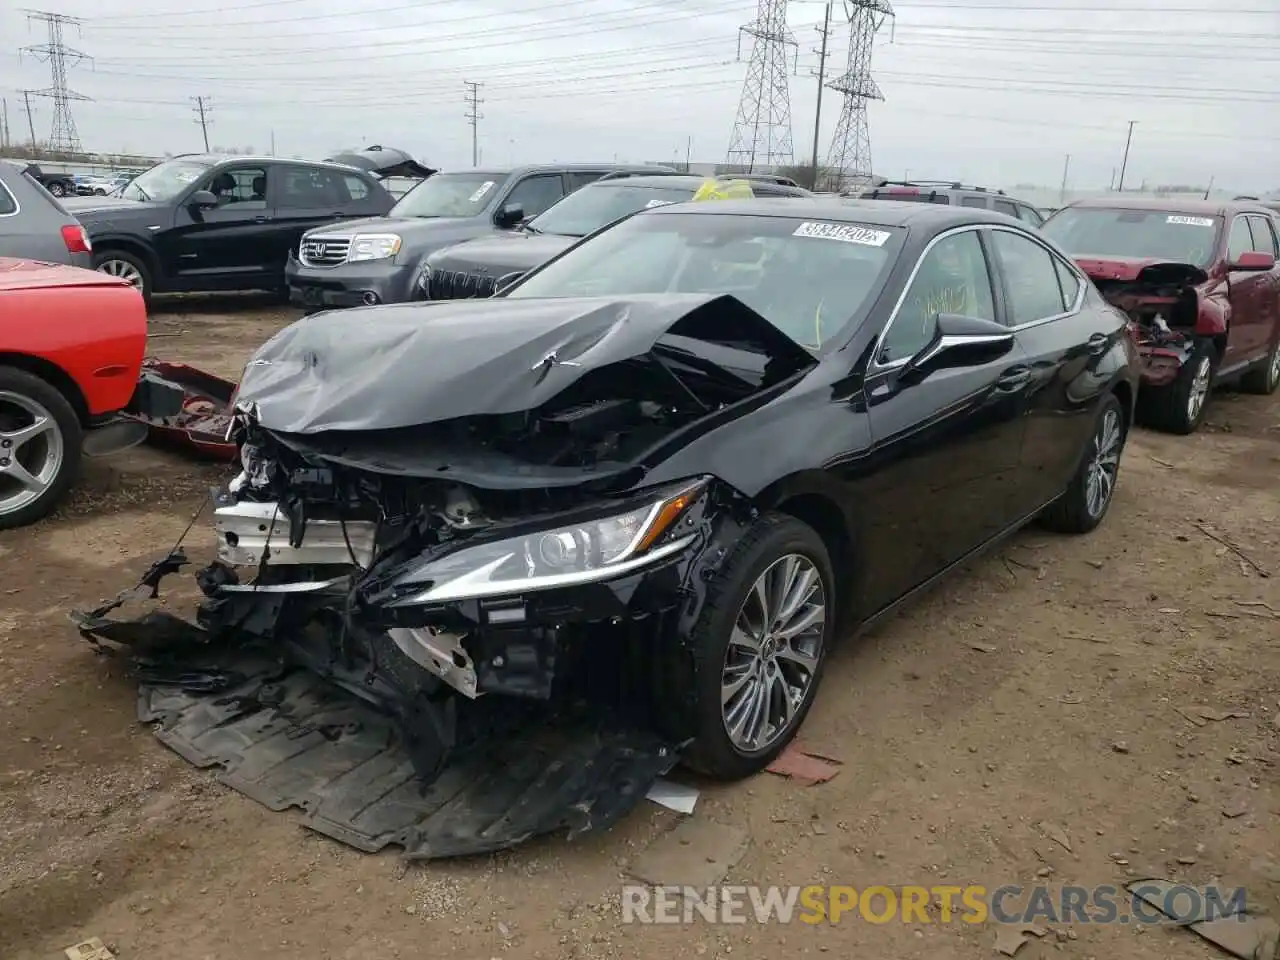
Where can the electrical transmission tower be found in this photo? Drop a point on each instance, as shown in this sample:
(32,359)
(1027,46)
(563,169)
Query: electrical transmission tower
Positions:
(762,127)
(59,57)
(850,156)
(474,116)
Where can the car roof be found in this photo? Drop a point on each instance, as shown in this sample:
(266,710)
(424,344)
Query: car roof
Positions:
(880,213)
(693,182)
(502,172)
(1191,207)
(221,160)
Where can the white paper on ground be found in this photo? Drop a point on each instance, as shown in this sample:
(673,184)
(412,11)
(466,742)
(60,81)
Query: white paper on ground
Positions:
(673,796)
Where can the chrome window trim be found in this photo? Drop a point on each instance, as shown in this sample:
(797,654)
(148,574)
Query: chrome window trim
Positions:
(17,207)
(876,367)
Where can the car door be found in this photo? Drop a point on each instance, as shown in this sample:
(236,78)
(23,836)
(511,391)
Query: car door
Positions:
(1066,348)
(946,448)
(1247,292)
(535,193)
(1265,241)
(227,245)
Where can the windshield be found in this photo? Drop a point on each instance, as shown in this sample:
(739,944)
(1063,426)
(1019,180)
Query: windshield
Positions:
(594,206)
(808,278)
(165,180)
(1140,234)
(449,195)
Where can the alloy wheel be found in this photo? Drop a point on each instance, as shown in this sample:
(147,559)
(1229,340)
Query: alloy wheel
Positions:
(122,269)
(774,653)
(1199,389)
(1104,464)
(1273,372)
(31,451)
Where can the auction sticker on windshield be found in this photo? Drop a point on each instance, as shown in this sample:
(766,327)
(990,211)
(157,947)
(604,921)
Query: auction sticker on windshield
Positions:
(1191,221)
(481,191)
(658,203)
(844,232)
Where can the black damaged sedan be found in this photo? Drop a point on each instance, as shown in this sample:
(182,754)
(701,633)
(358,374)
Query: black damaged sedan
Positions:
(660,476)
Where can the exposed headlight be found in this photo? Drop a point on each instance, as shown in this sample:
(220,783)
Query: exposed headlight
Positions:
(373,246)
(587,552)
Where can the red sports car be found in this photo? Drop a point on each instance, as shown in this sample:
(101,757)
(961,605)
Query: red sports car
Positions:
(71,348)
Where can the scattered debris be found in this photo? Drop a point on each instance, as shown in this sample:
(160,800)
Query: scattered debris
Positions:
(983,647)
(1218,538)
(91,949)
(1056,833)
(1010,938)
(674,796)
(1248,937)
(1070,698)
(1120,747)
(1096,564)
(1163,463)
(697,853)
(1233,810)
(1217,716)
(803,766)
(1190,717)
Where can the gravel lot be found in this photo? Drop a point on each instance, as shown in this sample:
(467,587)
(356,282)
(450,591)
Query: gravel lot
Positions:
(1048,684)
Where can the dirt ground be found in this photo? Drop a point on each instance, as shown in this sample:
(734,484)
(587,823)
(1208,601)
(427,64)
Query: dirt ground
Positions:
(1056,682)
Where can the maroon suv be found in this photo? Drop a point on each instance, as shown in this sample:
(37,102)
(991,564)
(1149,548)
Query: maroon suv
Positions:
(1199,281)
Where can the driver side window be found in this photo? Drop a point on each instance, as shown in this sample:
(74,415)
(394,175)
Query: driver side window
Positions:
(240,188)
(952,278)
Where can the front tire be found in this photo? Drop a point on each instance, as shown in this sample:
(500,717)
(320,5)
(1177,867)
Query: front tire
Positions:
(40,447)
(57,189)
(760,644)
(126,266)
(1180,406)
(1264,378)
(1087,499)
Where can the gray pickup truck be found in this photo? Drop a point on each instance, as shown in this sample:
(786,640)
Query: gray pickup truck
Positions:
(376,260)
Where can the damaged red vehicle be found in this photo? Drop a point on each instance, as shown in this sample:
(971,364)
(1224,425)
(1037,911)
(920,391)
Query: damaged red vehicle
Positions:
(71,347)
(1199,282)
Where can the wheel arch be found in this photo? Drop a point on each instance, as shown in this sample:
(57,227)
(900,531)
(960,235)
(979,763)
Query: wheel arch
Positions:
(132,245)
(52,374)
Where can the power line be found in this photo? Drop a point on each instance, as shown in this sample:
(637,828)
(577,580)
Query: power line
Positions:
(202,109)
(474,117)
(762,126)
(57,54)
(850,154)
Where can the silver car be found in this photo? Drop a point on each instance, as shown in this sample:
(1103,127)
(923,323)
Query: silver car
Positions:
(34,225)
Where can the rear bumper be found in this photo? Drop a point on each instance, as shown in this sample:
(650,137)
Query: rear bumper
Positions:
(1161,365)
(348,285)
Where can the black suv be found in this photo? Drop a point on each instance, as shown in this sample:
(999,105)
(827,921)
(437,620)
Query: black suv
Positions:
(377,260)
(197,223)
(956,194)
(477,267)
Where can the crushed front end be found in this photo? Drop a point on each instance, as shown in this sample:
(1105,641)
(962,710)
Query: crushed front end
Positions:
(1168,304)
(457,634)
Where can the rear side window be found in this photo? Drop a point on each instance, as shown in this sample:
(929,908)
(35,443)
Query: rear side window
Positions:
(1004,206)
(1264,237)
(357,189)
(1029,215)
(980,202)
(581,178)
(8,205)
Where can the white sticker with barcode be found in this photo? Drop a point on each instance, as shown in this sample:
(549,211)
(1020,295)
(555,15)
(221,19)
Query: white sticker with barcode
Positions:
(844,232)
(659,203)
(1191,221)
(481,191)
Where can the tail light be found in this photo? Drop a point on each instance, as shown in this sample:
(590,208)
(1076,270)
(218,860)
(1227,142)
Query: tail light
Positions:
(76,238)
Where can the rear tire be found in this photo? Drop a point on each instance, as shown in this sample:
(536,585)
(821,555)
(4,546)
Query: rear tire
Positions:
(1180,406)
(1264,378)
(49,457)
(775,546)
(1087,499)
(127,266)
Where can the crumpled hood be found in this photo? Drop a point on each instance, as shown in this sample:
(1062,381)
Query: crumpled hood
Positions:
(501,254)
(1142,270)
(390,367)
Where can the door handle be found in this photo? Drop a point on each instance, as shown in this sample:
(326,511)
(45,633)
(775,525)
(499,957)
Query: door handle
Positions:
(1098,343)
(1015,378)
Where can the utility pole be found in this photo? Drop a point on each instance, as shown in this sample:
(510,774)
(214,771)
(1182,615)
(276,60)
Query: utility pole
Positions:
(4,121)
(474,117)
(31,125)
(1062,194)
(824,31)
(201,110)
(688,153)
(1125,162)
(273,143)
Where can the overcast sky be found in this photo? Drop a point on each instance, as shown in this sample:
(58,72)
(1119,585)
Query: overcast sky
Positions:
(990,91)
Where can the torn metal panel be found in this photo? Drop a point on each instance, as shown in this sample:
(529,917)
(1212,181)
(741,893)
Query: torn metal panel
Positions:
(286,738)
(184,408)
(247,529)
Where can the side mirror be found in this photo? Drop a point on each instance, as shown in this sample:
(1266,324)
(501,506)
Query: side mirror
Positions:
(1252,260)
(961,341)
(505,281)
(202,200)
(510,214)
